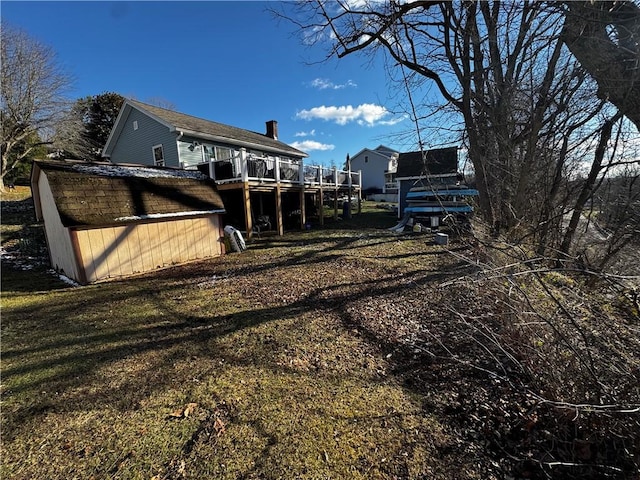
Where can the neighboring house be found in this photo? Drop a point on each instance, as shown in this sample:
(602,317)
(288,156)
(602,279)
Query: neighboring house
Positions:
(434,166)
(106,221)
(378,167)
(258,176)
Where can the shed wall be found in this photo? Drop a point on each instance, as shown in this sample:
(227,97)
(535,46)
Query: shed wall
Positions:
(405,186)
(119,251)
(58,239)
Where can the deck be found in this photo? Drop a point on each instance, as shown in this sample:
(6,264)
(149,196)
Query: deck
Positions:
(278,171)
(267,186)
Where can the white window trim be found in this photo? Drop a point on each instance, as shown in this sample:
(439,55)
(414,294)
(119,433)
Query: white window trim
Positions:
(153,155)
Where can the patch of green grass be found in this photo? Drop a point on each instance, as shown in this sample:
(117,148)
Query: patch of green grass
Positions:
(371,215)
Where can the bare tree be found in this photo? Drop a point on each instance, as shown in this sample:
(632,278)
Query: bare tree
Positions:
(500,65)
(32,97)
(605,37)
(609,198)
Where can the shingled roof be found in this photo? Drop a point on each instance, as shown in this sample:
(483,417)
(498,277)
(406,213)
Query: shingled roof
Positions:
(439,161)
(233,135)
(97,194)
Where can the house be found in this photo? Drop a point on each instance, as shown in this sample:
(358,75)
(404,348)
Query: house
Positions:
(378,167)
(424,168)
(158,136)
(258,176)
(105,220)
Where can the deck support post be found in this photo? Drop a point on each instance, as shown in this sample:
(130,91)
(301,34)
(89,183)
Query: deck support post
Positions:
(321,206)
(248,222)
(321,200)
(279,223)
(303,203)
(303,213)
(335,196)
(359,192)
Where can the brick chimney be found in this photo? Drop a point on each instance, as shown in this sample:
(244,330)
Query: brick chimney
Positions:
(272,129)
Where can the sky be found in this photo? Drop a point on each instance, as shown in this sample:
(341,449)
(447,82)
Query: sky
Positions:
(231,62)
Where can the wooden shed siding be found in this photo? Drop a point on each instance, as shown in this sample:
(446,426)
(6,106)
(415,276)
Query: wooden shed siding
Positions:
(58,239)
(134,146)
(111,252)
(112,259)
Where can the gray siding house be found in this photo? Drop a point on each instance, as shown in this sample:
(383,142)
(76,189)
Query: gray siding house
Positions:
(152,135)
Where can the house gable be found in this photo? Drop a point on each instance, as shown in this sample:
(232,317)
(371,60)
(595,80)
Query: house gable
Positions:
(134,136)
(373,164)
(385,150)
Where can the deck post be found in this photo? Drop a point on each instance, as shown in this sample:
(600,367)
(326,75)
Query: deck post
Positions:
(321,207)
(277,170)
(303,213)
(335,196)
(279,223)
(244,172)
(359,192)
(248,222)
(246,193)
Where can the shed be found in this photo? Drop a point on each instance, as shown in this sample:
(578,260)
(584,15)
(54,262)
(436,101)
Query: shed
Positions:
(435,166)
(107,220)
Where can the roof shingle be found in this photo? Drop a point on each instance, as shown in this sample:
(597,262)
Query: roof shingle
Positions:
(105,194)
(182,121)
(438,161)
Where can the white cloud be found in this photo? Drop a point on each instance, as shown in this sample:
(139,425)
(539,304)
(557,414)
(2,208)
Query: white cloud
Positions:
(311,145)
(393,121)
(317,34)
(366,114)
(323,84)
(312,133)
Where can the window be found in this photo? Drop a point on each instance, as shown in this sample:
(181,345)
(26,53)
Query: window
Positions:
(158,155)
(366,159)
(223,153)
(135,124)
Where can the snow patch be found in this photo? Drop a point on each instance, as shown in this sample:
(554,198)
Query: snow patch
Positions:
(64,278)
(151,216)
(139,172)
(17,261)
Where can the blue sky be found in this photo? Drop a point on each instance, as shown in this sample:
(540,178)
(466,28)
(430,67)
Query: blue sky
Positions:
(231,62)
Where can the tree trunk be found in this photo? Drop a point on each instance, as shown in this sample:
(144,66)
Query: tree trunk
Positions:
(605,38)
(587,189)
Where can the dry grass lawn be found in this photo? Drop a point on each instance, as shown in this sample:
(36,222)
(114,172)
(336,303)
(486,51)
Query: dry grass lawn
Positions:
(317,355)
